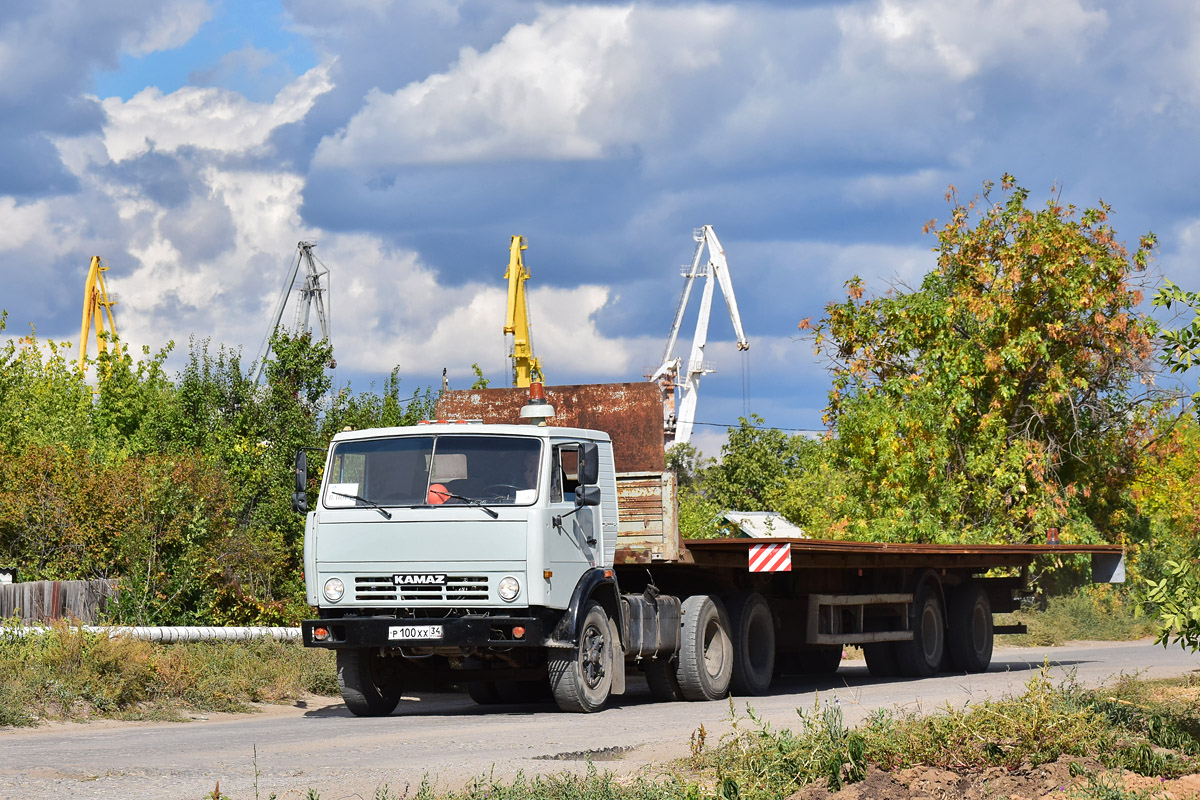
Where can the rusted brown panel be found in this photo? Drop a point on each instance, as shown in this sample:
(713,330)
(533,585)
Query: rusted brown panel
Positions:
(631,413)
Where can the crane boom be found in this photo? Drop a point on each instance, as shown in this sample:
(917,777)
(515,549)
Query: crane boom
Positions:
(526,368)
(679,414)
(97,308)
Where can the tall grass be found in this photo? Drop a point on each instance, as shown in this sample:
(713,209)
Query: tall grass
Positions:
(1098,613)
(65,673)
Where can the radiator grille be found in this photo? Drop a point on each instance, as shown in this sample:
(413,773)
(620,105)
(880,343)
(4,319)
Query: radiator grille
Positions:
(457,588)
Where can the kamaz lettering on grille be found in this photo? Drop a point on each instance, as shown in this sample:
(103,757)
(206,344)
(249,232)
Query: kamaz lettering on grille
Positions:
(420,579)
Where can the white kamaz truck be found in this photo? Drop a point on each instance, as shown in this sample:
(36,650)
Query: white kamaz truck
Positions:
(515,560)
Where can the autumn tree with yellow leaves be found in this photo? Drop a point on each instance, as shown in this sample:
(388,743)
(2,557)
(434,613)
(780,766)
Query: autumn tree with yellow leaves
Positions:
(1006,395)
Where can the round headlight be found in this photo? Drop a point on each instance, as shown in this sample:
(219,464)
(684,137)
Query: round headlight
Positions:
(509,588)
(334,589)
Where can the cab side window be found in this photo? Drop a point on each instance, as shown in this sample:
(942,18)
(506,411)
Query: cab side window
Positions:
(566,473)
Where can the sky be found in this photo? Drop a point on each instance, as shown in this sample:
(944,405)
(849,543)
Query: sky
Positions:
(193,143)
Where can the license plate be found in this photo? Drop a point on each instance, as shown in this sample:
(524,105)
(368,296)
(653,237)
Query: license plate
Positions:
(421,632)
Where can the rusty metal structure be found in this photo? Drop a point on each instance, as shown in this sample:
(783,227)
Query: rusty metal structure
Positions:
(630,413)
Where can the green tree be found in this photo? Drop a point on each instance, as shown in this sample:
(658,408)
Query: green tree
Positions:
(177,488)
(1169,484)
(994,401)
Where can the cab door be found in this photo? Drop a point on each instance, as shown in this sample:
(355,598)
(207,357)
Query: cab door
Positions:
(573,544)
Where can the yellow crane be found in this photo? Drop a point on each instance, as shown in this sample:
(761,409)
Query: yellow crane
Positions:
(97,307)
(526,368)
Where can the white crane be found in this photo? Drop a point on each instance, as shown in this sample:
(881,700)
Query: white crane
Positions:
(311,293)
(677,425)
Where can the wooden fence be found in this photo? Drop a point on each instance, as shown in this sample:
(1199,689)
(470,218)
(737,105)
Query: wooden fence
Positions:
(43,601)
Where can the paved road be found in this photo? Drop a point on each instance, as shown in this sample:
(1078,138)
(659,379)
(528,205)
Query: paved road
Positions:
(319,745)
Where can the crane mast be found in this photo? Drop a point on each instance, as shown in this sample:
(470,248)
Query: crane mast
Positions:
(311,292)
(526,368)
(97,308)
(681,386)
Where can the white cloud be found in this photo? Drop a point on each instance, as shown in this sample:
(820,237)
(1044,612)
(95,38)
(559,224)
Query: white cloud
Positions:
(169,25)
(960,38)
(208,118)
(387,307)
(573,84)
(24,224)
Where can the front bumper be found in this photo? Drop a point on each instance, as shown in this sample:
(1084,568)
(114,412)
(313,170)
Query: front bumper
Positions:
(465,631)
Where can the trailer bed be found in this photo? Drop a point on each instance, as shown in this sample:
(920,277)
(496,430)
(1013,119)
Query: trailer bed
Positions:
(829,553)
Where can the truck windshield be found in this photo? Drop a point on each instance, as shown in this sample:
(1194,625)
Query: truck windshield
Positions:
(434,470)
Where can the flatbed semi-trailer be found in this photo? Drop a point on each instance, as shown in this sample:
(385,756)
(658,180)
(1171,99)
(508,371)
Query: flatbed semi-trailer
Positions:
(522,560)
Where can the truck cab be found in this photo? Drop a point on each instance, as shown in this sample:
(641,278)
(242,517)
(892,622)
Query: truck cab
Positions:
(468,553)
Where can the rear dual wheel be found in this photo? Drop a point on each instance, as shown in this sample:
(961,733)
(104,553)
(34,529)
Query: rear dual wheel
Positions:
(706,655)
(752,631)
(921,656)
(971,630)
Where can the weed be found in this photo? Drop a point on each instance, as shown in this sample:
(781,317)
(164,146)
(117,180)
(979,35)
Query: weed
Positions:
(1103,788)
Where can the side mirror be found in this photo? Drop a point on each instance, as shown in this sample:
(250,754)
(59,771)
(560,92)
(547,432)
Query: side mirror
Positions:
(589,464)
(587,496)
(301,470)
(300,495)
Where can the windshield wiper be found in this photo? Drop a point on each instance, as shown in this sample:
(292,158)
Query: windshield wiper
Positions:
(387,514)
(468,501)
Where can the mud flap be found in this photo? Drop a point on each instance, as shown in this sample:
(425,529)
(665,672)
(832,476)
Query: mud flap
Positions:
(618,678)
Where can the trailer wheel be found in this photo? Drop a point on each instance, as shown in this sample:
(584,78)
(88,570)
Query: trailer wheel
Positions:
(484,693)
(752,629)
(581,677)
(660,677)
(819,659)
(881,659)
(519,692)
(970,618)
(922,655)
(705,651)
(369,684)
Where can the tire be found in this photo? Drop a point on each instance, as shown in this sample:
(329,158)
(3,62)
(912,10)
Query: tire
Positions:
(921,656)
(581,677)
(881,659)
(970,628)
(370,685)
(484,693)
(705,650)
(520,692)
(660,677)
(752,631)
(819,660)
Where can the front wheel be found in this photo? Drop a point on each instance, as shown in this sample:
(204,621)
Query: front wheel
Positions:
(581,677)
(370,684)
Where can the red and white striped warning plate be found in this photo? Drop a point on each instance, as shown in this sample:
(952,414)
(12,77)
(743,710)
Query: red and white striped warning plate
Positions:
(771,558)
